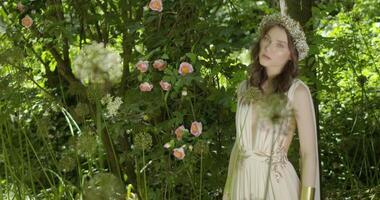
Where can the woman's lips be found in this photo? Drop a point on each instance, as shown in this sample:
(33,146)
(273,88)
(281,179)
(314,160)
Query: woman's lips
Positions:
(267,57)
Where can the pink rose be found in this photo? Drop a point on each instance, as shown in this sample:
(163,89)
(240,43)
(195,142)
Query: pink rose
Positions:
(165,85)
(142,66)
(156,5)
(179,153)
(185,68)
(27,21)
(179,132)
(20,7)
(159,64)
(145,87)
(196,128)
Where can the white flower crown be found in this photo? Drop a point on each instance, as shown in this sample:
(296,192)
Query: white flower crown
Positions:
(293,27)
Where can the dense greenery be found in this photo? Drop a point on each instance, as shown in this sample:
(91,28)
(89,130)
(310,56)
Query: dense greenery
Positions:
(65,138)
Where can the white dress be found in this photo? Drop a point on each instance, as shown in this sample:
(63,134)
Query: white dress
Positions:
(255,173)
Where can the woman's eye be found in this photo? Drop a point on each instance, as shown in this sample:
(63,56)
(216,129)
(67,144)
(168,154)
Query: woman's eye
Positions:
(280,45)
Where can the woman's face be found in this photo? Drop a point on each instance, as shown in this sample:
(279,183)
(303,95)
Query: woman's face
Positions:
(274,51)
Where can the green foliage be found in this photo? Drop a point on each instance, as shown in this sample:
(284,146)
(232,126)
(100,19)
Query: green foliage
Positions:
(347,66)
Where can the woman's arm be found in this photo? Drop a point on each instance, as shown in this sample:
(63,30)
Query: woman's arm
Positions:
(305,117)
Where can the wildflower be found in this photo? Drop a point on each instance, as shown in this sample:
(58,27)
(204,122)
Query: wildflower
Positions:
(156,5)
(146,117)
(142,66)
(145,87)
(180,131)
(106,99)
(104,186)
(67,163)
(201,147)
(196,128)
(165,85)
(251,94)
(27,21)
(113,106)
(185,68)
(20,7)
(184,93)
(167,145)
(82,109)
(159,64)
(86,145)
(143,141)
(274,108)
(179,153)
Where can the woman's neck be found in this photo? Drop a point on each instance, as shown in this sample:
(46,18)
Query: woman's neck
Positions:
(267,86)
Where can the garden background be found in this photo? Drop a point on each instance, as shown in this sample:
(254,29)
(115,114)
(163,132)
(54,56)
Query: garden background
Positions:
(125,99)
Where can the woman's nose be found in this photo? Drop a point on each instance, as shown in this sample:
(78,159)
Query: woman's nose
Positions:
(268,46)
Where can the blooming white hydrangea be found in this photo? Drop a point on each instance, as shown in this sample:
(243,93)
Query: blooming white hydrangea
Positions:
(97,64)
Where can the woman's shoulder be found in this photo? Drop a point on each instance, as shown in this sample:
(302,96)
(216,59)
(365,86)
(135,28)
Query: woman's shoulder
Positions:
(297,88)
(242,87)
(243,83)
(301,90)
(298,83)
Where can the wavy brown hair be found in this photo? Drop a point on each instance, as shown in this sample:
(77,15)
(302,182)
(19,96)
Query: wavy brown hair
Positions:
(258,74)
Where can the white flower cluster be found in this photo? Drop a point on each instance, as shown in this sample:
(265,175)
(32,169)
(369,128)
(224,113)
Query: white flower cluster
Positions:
(97,64)
(112,104)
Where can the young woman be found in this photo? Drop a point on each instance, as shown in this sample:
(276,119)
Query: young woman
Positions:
(259,168)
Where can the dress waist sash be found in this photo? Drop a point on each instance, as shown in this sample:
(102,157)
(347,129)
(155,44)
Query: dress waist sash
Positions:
(277,161)
(263,156)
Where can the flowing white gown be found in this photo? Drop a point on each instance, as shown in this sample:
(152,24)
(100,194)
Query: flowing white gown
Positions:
(254,173)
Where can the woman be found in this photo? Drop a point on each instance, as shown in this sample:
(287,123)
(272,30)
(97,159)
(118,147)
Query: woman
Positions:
(259,168)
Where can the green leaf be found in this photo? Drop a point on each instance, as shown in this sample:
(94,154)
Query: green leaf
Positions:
(192,57)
